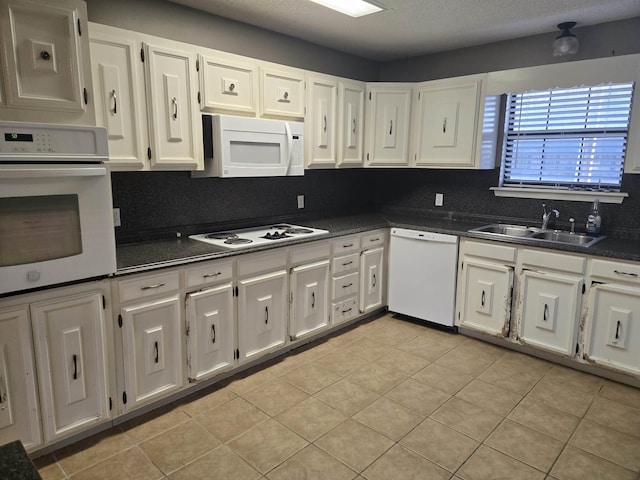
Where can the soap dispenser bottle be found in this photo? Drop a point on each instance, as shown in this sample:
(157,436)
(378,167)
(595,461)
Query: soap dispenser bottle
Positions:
(594,219)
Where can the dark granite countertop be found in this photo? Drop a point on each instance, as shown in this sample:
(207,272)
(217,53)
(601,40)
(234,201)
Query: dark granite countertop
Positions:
(138,257)
(15,463)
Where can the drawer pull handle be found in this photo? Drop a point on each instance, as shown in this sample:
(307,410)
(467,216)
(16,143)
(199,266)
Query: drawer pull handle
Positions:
(213,333)
(347,263)
(209,275)
(347,285)
(266,314)
(374,239)
(482,299)
(150,287)
(348,245)
(629,274)
(347,310)
(156,358)
(545,313)
(75,367)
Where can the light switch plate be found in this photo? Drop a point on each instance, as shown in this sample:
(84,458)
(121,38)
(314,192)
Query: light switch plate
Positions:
(116,217)
(300,201)
(439,199)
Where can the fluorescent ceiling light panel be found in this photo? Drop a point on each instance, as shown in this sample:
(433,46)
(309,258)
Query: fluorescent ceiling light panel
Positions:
(353,8)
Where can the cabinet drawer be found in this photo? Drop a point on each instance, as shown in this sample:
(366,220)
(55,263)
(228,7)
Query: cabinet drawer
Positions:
(211,272)
(262,262)
(345,285)
(616,271)
(309,252)
(553,261)
(489,250)
(346,244)
(148,286)
(345,263)
(372,239)
(344,310)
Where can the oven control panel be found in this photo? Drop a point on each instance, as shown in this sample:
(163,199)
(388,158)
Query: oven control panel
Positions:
(43,142)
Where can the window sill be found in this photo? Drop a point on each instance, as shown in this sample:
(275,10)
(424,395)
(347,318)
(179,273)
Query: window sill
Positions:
(550,194)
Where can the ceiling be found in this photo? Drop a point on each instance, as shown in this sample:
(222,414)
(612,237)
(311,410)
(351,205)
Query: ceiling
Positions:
(409,28)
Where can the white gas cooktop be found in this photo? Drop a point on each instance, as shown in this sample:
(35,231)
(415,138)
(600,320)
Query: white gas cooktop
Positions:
(251,237)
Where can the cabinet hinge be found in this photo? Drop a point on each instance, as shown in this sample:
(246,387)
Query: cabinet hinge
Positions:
(85,96)
(369,95)
(187,329)
(124,398)
(142,54)
(577,348)
(198,97)
(584,288)
(367,157)
(237,354)
(120,321)
(110,404)
(291,298)
(419,93)
(149,153)
(197,65)
(79,29)
(458,315)
(237,294)
(104,303)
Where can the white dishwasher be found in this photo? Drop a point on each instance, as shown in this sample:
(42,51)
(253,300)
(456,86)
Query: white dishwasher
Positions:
(422,275)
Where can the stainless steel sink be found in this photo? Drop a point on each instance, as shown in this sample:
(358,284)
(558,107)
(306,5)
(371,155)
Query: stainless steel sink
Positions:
(534,233)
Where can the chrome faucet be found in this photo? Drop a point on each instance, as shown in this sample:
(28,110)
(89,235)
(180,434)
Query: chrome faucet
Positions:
(547,216)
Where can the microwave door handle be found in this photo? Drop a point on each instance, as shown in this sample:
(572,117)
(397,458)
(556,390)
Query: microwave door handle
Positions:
(289,147)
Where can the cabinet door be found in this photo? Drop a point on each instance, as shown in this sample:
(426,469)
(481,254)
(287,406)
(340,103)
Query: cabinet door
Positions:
(19,412)
(282,92)
(310,299)
(550,310)
(445,123)
(43,54)
(320,124)
(262,314)
(388,123)
(118,84)
(210,331)
(485,302)
(174,120)
(69,339)
(350,123)
(614,319)
(371,279)
(228,84)
(152,344)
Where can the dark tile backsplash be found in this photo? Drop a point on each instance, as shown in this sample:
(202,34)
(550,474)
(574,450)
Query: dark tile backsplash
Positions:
(156,204)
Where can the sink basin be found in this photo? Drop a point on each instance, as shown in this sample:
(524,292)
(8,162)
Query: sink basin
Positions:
(566,237)
(534,233)
(510,230)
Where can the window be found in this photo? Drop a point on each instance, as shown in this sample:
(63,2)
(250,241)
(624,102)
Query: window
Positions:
(567,138)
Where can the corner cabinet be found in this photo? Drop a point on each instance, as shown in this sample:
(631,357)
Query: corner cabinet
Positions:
(45,57)
(446,122)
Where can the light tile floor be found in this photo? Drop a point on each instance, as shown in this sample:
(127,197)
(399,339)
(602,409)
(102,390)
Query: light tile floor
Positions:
(387,399)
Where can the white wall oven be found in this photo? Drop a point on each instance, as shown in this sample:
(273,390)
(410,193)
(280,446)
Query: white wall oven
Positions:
(56,221)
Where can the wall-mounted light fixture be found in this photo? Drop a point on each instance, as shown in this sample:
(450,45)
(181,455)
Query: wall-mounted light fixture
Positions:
(567,43)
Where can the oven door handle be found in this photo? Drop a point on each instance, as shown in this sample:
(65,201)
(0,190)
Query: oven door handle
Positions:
(48,171)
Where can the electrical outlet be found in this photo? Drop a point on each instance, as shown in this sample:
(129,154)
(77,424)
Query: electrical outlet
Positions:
(300,201)
(116,217)
(439,199)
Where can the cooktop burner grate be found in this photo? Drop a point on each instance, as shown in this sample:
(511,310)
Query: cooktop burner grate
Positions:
(221,235)
(237,241)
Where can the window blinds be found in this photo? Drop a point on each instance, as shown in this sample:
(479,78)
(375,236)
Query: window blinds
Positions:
(567,137)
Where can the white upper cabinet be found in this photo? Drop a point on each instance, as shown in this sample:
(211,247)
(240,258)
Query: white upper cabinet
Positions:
(388,123)
(46,61)
(320,124)
(118,82)
(175,129)
(281,91)
(446,119)
(228,83)
(350,123)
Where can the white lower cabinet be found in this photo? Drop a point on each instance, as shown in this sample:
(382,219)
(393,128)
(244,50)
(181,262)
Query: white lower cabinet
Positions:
(210,331)
(262,314)
(485,298)
(309,299)
(550,310)
(70,354)
(371,279)
(19,409)
(152,350)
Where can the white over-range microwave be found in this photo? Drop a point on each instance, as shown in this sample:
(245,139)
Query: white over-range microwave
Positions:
(251,147)
(56,221)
